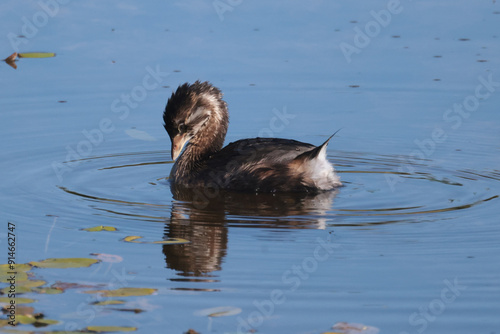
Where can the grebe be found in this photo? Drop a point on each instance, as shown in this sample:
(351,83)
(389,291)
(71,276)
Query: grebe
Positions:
(196,117)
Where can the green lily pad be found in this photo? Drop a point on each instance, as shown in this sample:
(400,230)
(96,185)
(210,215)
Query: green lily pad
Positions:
(124,292)
(30,284)
(18,300)
(19,290)
(102,329)
(171,241)
(15,267)
(100,228)
(19,277)
(36,55)
(64,263)
(19,270)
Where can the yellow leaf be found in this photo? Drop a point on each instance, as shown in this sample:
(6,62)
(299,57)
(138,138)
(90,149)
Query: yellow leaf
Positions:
(18,300)
(19,290)
(171,241)
(30,283)
(19,277)
(131,238)
(25,319)
(100,228)
(64,263)
(36,55)
(15,267)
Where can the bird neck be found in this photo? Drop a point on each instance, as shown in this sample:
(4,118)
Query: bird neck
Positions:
(206,142)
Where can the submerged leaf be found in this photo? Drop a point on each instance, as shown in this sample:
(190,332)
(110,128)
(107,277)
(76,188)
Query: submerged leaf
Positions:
(171,241)
(36,55)
(221,311)
(101,329)
(99,228)
(124,292)
(64,263)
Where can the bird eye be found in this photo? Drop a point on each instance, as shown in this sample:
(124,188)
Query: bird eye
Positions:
(182,128)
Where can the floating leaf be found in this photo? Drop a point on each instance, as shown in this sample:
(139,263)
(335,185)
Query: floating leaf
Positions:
(25,319)
(131,238)
(109,302)
(21,310)
(18,290)
(64,263)
(16,271)
(19,277)
(101,329)
(100,228)
(36,55)
(124,292)
(171,241)
(18,300)
(221,311)
(15,267)
(34,320)
(31,283)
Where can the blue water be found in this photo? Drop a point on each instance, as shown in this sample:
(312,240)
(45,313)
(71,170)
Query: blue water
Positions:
(408,245)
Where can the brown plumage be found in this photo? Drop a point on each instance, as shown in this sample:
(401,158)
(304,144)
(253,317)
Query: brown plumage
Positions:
(196,117)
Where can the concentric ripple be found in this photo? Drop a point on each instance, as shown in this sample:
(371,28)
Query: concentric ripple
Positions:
(378,189)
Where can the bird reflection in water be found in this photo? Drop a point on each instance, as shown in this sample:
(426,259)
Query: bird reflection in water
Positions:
(203,217)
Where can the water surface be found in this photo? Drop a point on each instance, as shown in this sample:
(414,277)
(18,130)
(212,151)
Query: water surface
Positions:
(84,146)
